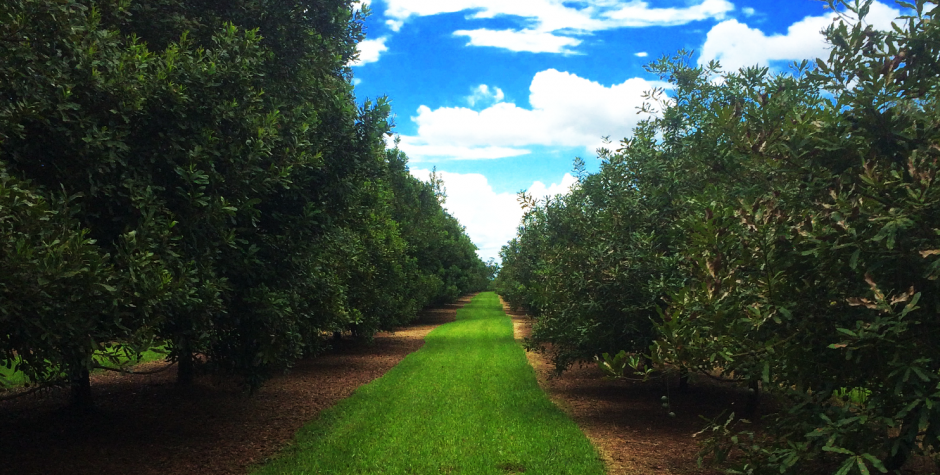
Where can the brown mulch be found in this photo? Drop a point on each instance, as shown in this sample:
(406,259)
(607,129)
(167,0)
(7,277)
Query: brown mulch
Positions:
(625,420)
(627,423)
(147,425)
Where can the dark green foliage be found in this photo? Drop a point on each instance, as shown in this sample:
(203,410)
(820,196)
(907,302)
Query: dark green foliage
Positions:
(219,167)
(783,232)
(443,259)
(579,268)
(62,297)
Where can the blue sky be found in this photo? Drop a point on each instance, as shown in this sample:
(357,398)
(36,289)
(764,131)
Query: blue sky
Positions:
(502,95)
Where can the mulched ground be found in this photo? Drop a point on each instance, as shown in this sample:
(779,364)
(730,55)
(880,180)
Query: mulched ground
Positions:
(626,420)
(147,425)
(629,426)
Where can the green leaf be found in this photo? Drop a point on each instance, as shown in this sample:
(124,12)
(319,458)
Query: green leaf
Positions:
(846,466)
(876,462)
(838,450)
(861,465)
(847,332)
(920,374)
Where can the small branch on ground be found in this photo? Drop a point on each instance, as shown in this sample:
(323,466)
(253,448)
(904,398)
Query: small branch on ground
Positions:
(127,371)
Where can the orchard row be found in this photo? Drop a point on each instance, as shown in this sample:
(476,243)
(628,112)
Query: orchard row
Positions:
(198,176)
(777,230)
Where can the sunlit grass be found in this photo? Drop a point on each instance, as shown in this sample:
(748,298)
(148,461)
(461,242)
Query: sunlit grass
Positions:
(468,402)
(12,378)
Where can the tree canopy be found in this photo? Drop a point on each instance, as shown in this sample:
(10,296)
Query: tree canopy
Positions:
(201,175)
(776,229)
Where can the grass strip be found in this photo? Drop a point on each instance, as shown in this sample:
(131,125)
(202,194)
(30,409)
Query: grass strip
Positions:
(12,379)
(467,402)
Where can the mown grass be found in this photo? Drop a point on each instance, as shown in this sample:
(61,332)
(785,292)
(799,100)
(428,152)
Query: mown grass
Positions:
(11,378)
(467,402)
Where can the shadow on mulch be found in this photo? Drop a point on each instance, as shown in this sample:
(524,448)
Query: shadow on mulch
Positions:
(147,425)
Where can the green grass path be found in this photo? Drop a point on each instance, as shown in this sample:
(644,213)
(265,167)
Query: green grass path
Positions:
(467,402)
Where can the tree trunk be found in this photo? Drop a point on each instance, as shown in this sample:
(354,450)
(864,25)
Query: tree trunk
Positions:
(753,400)
(905,446)
(896,461)
(184,370)
(683,379)
(80,383)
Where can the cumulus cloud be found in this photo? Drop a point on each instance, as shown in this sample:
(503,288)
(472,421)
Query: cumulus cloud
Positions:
(737,45)
(547,26)
(483,94)
(641,54)
(491,218)
(418,151)
(566,110)
(541,190)
(370,51)
(520,40)
(639,14)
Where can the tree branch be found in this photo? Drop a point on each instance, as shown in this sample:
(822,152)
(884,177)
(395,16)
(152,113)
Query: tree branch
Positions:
(126,371)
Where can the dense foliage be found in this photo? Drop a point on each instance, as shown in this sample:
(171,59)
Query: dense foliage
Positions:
(780,230)
(199,174)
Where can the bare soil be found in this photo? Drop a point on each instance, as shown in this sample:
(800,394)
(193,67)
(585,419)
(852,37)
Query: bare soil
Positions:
(148,425)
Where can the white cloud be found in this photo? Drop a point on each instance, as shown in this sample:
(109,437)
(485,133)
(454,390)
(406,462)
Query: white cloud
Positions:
(588,15)
(641,54)
(540,190)
(483,94)
(491,218)
(547,26)
(748,11)
(370,51)
(361,4)
(737,45)
(639,14)
(356,81)
(525,40)
(566,110)
(418,151)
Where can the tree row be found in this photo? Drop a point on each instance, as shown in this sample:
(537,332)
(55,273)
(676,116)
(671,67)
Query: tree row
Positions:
(198,176)
(777,230)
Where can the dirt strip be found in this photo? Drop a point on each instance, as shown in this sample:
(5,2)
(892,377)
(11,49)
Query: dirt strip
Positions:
(147,425)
